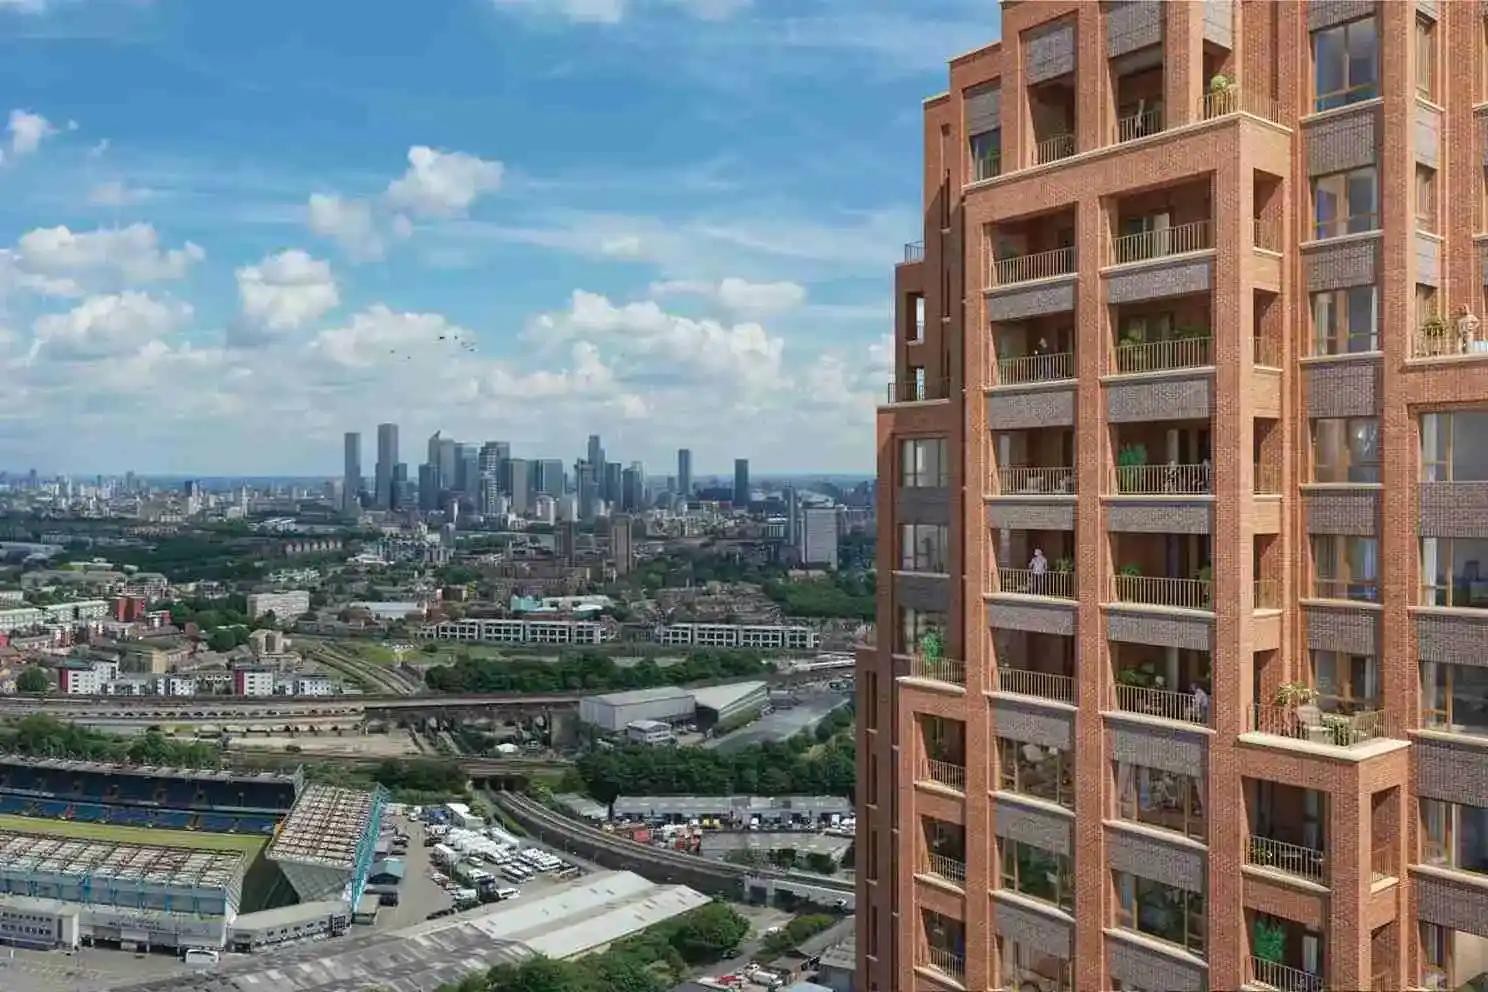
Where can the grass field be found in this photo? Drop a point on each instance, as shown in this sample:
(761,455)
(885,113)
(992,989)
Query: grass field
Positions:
(248,844)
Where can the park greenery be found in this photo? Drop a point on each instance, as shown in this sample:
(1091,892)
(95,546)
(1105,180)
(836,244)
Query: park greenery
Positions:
(409,780)
(793,933)
(684,567)
(33,679)
(651,961)
(40,735)
(847,595)
(589,671)
(820,763)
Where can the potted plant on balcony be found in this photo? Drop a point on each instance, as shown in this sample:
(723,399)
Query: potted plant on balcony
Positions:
(1129,461)
(1222,91)
(1434,333)
(1268,940)
(1063,565)
(1302,699)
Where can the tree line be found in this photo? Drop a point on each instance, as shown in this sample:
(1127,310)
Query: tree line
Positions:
(846,595)
(588,670)
(40,735)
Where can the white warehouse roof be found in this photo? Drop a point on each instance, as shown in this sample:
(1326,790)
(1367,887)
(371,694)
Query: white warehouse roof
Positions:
(721,697)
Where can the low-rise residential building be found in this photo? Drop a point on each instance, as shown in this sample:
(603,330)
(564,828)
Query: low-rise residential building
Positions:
(288,605)
(175,685)
(737,635)
(521,631)
(313,685)
(76,678)
(253,682)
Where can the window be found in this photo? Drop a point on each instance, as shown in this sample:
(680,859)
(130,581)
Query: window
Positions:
(1344,321)
(1037,771)
(1026,966)
(1426,198)
(1453,573)
(1454,446)
(1345,64)
(914,626)
(1037,873)
(1160,798)
(1345,683)
(1345,449)
(1425,58)
(1455,697)
(1160,910)
(1345,203)
(1451,959)
(922,547)
(986,154)
(923,463)
(1345,567)
(1454,835)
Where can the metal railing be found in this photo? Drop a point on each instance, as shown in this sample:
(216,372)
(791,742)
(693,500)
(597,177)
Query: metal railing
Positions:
(1266,480)
(1164,479)
(1043,685)
(939,670)
(1167,704)
(1337,227)
(1436,342)
(1027,481)
(949,962)
(916,390)
(1284,978)
(1175,240)
(1382,864)
(1035,368)
(1058,585)
(986,167)
(1334,729)
(1266,353)
(1237,100)
(947,774)
(947,868)
(1139,125)
(1267,595)
(1053,148)
(1294,859)
(1039,265)
(914,251)
(1266,234)
(1360,591)
(1171,353)
(1187,594)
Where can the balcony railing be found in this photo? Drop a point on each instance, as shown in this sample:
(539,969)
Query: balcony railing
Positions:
(1284,978)
(1266,234)
(1335,729)
(917,390)
(1059,585)
(986,167)
(1039,265)
(1266,480)
(1021,481)
(1435,342)
(947,868)
(1175,240)
(1267,354)
(946,962)
(939,670)
(947,774)
(1267,595)
(1382,865)
(1236,100)
(914,251)
(1035,368)
(1053,148)
(1164,479)
(1139,125)
(1187,594)
(1185,707)
(1042,685)
(1157,356)
(1294,859)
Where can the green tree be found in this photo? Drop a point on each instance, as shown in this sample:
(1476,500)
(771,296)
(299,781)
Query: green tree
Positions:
(33,679)
(222,639)
(709,932)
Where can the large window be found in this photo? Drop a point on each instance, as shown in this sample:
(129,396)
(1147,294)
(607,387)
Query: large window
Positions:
(1426,198)
(1160,910)
(1454,446)
(1345,683)
(1345,64)
(1454,572)
(1452,960)
(986,154)
(1345,203)
(915,626)
(1344,321)
(1425,58)
(1454,835)
(1345,449)
(923,463)
(1345,567)
(1455,697)
(1038,873)
(1159,798)
(1036,770)
(1027,966)
(922,547)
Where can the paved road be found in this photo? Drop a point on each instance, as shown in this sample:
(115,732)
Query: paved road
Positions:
(781,724)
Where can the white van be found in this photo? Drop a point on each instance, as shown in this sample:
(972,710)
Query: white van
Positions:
(201,957)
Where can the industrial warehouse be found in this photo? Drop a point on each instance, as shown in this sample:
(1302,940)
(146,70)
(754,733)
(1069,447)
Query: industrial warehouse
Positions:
(710,706)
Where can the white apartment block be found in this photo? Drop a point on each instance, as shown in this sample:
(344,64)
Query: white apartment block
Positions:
(289,605)
(20,618)
(77,611)
(737,635)
(249,682)
(313,685)
(519,631)
(175,685)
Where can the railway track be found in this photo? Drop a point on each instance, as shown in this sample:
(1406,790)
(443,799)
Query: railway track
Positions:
(375,676)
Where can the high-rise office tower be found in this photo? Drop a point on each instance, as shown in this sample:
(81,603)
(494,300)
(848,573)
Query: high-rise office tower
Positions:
(428,487)
(633,488)
(401,495)
(493,458)
(792,516)
(621,549)
(741,482)
(1184,583)
(549,477)
(519,476)
(595,454)
(467,469)
(588,490)
(351,475)
(387,458)
(684,471)
(820,529)
(614,481)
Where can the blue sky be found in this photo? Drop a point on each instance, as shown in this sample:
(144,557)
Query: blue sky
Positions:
(230,231)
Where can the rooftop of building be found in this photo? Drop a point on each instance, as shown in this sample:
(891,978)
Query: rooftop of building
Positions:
(717,697)
(146,771)
(642,695)
(172,866)
(324,827)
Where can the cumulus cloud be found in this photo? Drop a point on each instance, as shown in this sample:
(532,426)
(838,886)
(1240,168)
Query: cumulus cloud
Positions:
(738,294)
(57,261)
(285,292)
(116,193)
(442,184)
(110,324)
(27,131)
(615,11)
(379,331)
(349,222)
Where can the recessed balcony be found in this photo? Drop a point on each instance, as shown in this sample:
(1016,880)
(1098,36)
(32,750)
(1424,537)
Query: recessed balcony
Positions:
(942,855)
(1040,685)
(1159,590)
(1289,859)
(1287,829)
(917,389)
(943,950)
(1011,269)
(1020,480)
(1169,684)
(944,670)
(1056,582)
(1221,101)
(1284,955)
(914,251)
(1161,242)
(1171,479)
(1308,723)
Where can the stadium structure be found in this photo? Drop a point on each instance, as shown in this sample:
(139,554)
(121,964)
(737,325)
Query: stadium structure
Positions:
(147,858)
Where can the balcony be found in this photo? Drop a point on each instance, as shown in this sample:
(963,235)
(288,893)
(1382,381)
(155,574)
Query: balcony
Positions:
(1139,125)
(946,868)
(1134,357)
(1025,582)
(1041,685)
(1266,480)
(1291,859)
(1237,100)
(1165,704)
(939,670)
(1267,595)
(1165,480)
(1342,730)
(945,773)
(1441,339)
(1382,865)
(1053,148)
(947,962)
(1026,268)
(1183,594)
(1283,978)
(1030,481)
(1266,353)
(1161,242)
(1266,235)
(987,166)
(914,251)
(917,390)
(1035,368)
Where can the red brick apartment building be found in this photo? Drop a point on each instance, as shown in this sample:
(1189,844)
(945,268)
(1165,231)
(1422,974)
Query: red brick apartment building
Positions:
(1181,679)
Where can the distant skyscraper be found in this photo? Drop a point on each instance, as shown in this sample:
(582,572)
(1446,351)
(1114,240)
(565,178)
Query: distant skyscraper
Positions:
(620,548)
(351,476)
(741,481)
(633,488)
(467,469)
(684,471)
(596,454)
(428,487)
(401,495)
(519,471)
(614,482)
(387,458)
(819,527)
(588,490)
(563,545)
(493,458)
(792,516)
(549,477)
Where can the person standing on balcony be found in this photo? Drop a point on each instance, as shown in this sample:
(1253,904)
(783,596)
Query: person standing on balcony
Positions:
(1200,703)
(1038,565)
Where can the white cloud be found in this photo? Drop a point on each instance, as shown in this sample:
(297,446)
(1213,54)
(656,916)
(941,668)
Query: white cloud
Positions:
(109,256)
(349,222)
(111,324)
(624,246)
(27,131)
(116,193)
(379,334)
(737,294)
(615,11)
(284,292)
(442,184)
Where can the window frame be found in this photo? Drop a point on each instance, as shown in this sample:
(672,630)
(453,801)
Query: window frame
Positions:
(1129,808)
(923,622)
(1350,92)
(912,558)
(988,164)
(1022,958)
(1439,685)
(1440,428)
(1444,594)
(1010,774)
(1424,52)
(1367,468)
(1346,221)
(1350,698)
(1426,182)
(1326,582)
(1443,843)
(1128,915)
(911,475)
(1342,332)
(1010,872)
